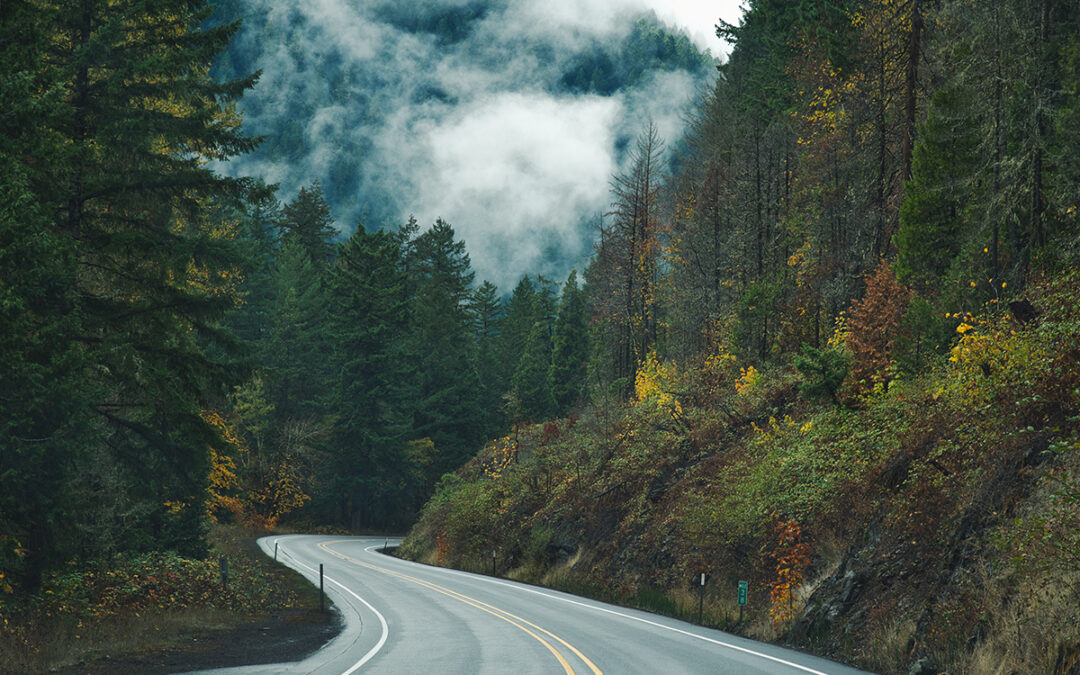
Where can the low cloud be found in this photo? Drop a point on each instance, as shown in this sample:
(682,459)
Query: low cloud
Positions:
(477,131)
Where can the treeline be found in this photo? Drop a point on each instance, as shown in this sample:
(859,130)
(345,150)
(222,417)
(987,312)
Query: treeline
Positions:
(381,365)
(932,142)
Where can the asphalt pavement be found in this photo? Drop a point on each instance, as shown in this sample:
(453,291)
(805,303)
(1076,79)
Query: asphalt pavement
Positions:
(403,617)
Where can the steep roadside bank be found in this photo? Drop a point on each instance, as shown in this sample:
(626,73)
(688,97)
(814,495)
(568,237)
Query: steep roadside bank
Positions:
(932,525)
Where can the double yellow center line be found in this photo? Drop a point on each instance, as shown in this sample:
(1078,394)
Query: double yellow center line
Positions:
(527,626)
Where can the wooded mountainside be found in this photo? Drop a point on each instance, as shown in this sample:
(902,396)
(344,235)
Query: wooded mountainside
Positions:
(827,341)
(834,352)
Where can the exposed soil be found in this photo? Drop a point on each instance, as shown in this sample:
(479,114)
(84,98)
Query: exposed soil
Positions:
(283,637)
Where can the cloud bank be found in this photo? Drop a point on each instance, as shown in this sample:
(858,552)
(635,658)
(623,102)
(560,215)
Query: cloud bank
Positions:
(497,116)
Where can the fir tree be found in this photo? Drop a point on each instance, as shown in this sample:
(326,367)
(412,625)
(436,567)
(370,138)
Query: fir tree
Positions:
(531,375)
(307,220)
(115,167)
(368,399)
(297,348)
(442,347)
(570,347)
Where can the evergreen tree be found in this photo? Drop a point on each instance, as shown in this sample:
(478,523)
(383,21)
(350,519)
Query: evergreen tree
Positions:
(113,168)
(570,348)
(297,349)
(368,471)
(487,315)
(530,379)
(257,216)
(46,397)
(442,346)
(518,319)
(307,220)
(932,224)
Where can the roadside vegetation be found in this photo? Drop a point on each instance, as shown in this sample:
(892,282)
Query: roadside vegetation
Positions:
(932,518)
(135,605)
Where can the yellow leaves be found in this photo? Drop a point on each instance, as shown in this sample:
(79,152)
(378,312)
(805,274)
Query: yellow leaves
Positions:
(841,331)
(226,430)
(747,380)
(223,479)
(652,377)
(719,360)
(504,452)
(792,559)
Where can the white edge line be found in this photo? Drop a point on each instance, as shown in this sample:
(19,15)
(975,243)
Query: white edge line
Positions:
(634,618)
(382,620)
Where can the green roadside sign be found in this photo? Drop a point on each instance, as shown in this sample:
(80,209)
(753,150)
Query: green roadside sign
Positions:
(743,587)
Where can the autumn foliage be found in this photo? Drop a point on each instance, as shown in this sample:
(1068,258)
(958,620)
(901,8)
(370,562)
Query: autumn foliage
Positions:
(873,325)
(258,491)
(792,559)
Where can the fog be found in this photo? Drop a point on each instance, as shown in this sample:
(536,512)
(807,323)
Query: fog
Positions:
(479,130)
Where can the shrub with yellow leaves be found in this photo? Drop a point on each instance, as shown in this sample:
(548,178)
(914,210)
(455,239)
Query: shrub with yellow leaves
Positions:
(747,381)
(653,384)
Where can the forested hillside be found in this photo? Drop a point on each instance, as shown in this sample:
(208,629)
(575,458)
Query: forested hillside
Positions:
(833,352)
(826,338)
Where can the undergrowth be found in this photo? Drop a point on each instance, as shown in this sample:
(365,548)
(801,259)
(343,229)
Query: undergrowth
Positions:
(133,602)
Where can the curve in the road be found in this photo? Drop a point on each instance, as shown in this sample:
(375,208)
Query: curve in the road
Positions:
(428,623)
(509,617)
(382,620)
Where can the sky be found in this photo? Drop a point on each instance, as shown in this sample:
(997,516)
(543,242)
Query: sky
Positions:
(697,18)
(478,132)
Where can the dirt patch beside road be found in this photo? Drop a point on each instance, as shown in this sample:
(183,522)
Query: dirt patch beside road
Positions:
(278,638)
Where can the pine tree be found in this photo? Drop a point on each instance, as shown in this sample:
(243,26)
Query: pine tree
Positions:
(486,310)
(297,348)
(518,319)
(44,423)
(530,379)
(258,216)
(932,223)
(442,346)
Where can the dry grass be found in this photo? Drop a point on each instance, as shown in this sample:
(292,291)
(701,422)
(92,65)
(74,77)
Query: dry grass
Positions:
(559,575)
(888,638)
(1026,632)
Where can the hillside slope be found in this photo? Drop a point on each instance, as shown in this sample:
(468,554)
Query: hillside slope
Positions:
(932,524)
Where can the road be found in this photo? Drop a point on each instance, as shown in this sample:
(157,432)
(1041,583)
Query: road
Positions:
(402,617)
